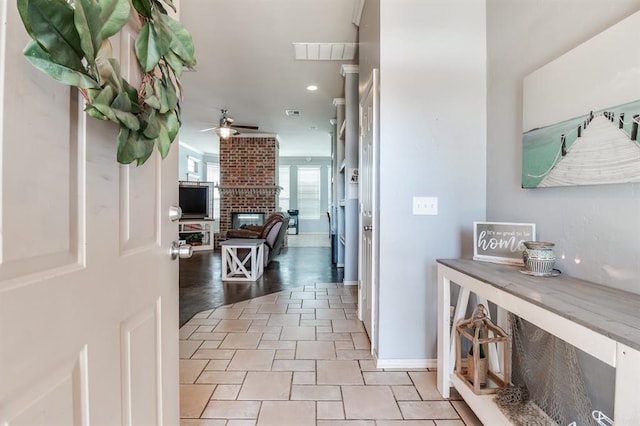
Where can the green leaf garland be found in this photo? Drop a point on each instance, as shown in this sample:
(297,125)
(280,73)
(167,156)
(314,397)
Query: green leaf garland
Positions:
(70,43)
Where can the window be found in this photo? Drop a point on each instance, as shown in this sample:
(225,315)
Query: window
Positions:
(193,169)
(193,165)
(213,175)
(309,192)
(284,181)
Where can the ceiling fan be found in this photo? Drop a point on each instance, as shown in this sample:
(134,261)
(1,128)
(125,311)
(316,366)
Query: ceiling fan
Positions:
(226,128)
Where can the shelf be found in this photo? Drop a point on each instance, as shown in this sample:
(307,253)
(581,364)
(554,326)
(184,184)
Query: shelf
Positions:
(341,203)
(192,227)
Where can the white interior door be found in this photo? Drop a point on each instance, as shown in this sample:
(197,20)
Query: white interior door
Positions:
(368,201)
(88,292)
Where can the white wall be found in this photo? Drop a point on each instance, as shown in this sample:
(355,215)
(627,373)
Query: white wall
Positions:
(433,143)
(184,152)
(596,228)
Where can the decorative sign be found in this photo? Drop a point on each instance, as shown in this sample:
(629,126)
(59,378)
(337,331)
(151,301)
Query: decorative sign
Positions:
(501,242)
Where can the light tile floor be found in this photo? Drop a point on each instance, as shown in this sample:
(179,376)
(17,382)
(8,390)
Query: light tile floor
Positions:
(300,357)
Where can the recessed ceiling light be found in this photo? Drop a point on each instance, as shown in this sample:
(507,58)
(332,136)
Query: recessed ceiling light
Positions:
(312,88)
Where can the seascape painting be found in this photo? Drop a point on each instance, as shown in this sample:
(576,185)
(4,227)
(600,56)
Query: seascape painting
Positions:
(581,113)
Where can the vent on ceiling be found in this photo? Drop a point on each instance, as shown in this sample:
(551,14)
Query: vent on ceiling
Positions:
(325,51)
(292,112)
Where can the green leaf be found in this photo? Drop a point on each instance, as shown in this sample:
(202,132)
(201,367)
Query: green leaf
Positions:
(114,15)
(163,33)
(88,24)
(23,10)
(147,47)
(95,113)
(152,130)
(107,111)
(121,107)
(108,68)
(101,101)
(170,4)
(143,7)
(43,61)
(171,123)
(174,62)
(52,22)
(168,82)
(132,92)
(161,93)
(150,98)
(104,96)
(157,5)
(133,146)
(182,43)
(163,142)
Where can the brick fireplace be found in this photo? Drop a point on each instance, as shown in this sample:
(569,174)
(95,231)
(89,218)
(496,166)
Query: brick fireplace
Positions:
(248,176)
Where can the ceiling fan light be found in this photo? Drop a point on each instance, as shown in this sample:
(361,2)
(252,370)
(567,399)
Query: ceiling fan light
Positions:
(226,132)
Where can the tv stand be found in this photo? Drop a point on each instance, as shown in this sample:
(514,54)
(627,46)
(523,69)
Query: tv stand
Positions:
(196,232)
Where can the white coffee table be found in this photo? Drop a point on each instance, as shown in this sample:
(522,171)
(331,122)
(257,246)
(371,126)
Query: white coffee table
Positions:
(238,265)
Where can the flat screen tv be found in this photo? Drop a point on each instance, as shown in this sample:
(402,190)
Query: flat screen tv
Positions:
(194,201)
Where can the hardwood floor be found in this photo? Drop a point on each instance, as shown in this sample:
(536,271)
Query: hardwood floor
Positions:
(201,286)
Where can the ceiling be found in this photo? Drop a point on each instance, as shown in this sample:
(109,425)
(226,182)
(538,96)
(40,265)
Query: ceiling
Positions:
(246,65)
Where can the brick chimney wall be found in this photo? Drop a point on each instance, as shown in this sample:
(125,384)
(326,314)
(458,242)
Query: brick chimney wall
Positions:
(248,177)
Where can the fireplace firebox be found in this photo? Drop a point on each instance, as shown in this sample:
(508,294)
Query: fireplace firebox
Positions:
(239,219)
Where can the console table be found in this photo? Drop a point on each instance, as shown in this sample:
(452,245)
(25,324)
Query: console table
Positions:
(242,259)
(599,320)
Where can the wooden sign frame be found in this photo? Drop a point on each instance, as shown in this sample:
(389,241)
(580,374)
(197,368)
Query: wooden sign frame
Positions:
(501,242)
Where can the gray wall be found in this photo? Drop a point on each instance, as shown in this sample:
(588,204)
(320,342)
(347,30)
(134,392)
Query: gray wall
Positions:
(596,228)
(432,143)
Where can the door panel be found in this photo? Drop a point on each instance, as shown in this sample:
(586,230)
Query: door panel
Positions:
(88,292)
(139,198)
(141,355)
(368,206)
(40,224)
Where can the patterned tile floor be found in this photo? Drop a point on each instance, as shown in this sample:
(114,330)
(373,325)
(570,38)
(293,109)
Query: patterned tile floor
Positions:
(300,357)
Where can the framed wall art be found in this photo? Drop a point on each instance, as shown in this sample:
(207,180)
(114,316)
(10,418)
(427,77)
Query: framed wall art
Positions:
(581,113)
(501,242)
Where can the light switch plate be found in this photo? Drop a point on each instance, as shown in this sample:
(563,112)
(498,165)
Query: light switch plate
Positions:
(425,205)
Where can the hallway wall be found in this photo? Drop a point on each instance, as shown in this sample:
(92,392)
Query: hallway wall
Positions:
(432,143)
(595,228)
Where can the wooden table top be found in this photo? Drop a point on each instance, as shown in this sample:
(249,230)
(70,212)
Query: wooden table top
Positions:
(611,312)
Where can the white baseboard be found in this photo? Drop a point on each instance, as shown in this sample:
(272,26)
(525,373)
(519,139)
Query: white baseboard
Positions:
(405,363)
(350,282)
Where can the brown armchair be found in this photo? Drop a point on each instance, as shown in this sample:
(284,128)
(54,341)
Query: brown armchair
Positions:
(273,232)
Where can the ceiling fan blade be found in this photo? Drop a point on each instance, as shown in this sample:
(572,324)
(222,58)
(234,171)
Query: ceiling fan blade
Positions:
(209,129)
(245,126)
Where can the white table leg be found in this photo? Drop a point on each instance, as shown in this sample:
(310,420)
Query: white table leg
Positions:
(626,408)
(444,296)
(460,311)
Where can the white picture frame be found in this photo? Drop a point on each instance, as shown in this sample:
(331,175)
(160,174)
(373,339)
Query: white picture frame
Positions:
(501,242)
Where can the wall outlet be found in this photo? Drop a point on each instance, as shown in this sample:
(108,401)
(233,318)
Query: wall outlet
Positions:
(425,205)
